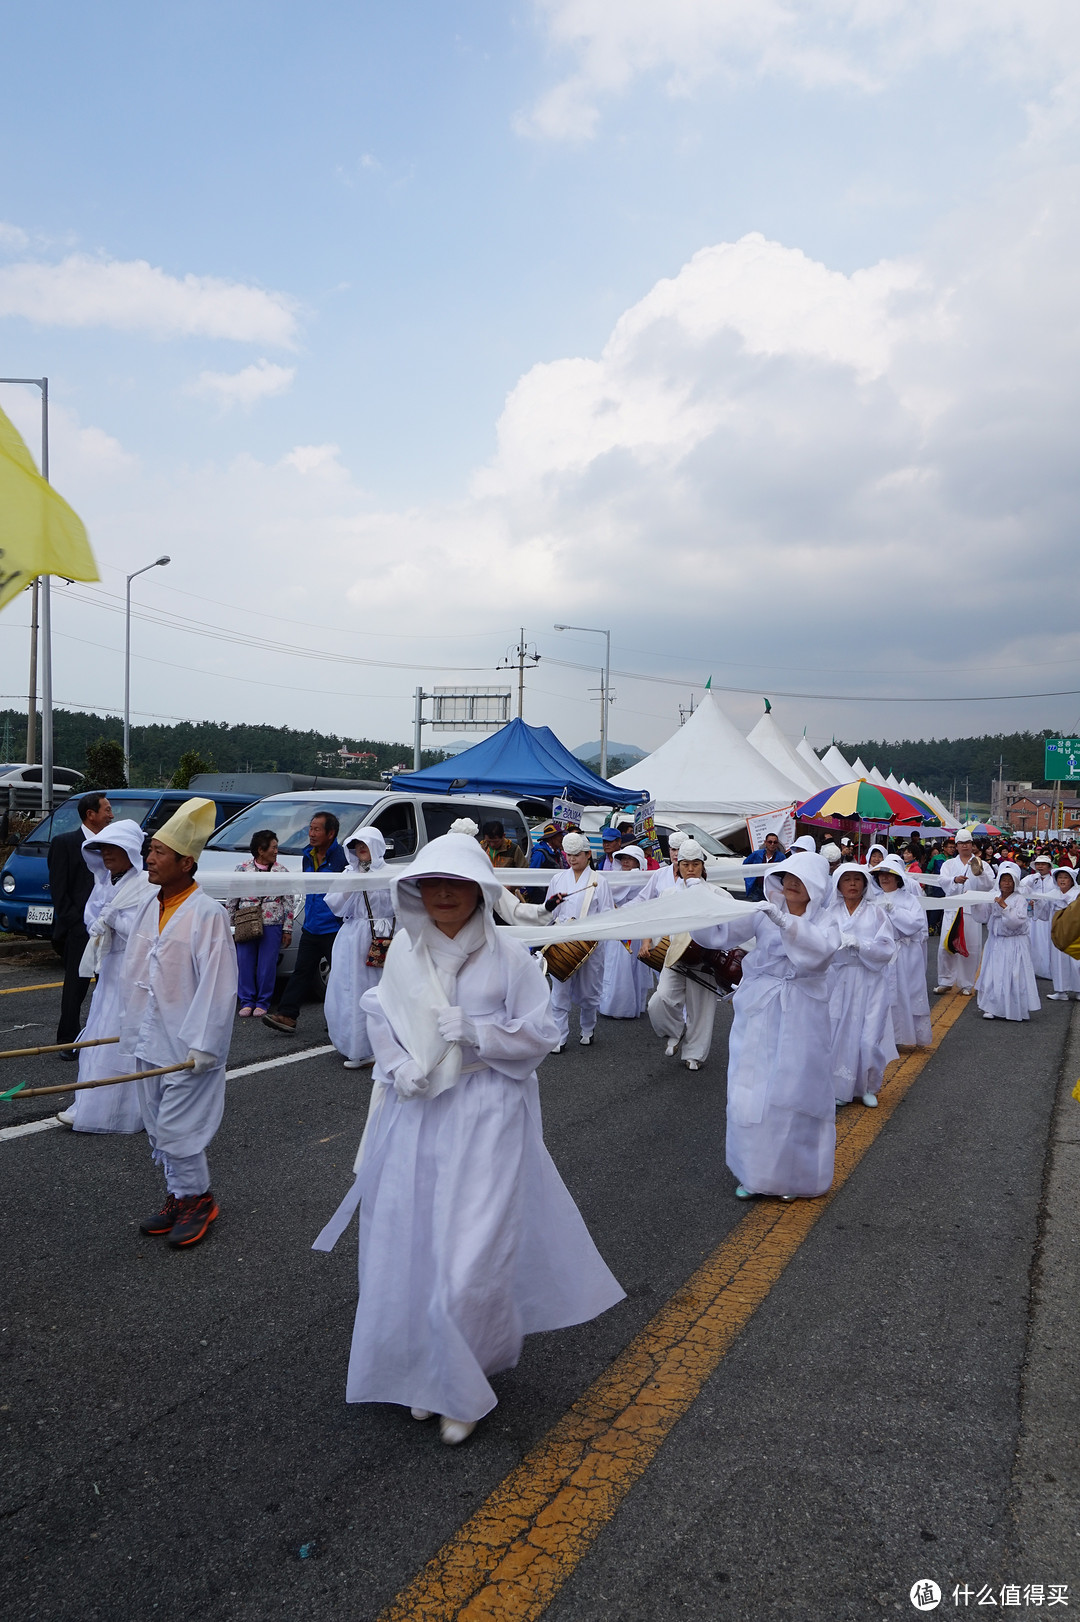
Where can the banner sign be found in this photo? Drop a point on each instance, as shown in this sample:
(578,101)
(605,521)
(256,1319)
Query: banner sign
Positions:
(645,826)
(566,813)
(781,823)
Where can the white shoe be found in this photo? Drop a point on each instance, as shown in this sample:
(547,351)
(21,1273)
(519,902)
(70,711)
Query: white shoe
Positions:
(454,1431)
(1051,996)
(691,1064)
(742,1193)
(66,1117)
(560,1049)
(870,1100)
(939,989)
(586,1041)
(968,991)
(422,1413)
(353,1064)
(988,1016)
(671,1046)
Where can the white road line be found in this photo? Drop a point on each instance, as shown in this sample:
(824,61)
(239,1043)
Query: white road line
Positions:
(52,1123)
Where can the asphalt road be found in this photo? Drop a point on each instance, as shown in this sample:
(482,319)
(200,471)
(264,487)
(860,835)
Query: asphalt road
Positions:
(177,1441)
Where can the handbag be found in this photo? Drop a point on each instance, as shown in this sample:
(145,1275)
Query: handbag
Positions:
(380,944)
(248,924)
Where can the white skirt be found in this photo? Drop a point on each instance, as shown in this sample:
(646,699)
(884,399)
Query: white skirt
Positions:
(1007,986)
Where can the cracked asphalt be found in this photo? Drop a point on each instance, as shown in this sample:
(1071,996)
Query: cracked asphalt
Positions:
(176,1440)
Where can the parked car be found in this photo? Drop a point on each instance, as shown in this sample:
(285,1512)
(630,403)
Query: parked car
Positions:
(407,821)
(25,902)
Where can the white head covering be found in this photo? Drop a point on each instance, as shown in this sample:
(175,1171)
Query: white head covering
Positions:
(962,836)
(892,864)
(1067,870)
(844,868)
(465,825)
(1047,859)
(691,851)
(805,842)
(873,848)
(1013,871)
(376,844)
(574,843)
(453,856)
(633,851)
(677,838)
(812,871)
(125,833)
(831,852)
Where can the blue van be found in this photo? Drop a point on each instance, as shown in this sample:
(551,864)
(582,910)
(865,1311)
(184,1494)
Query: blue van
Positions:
(25,902)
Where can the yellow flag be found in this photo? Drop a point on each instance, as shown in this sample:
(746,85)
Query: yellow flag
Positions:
(39,533)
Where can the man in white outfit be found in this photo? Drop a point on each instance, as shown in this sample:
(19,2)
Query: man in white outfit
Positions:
(683,1010)
(180,968)
(960,875)
(570,895)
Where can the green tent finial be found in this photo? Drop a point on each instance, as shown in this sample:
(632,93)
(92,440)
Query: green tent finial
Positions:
(708,685)
(768,707)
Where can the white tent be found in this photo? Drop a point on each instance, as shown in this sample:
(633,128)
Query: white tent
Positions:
(769,741)
(707,772)
(805,752)
(891,782)
(836,766)
(862,772)
(876,777)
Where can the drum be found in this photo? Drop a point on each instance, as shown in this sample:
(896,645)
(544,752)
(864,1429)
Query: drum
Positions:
(564,958)
(654,957)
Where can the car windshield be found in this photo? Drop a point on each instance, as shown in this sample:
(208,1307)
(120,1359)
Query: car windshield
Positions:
(709,844)
(289,820)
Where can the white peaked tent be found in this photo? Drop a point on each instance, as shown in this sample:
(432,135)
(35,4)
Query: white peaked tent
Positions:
(862,772)
(707,772)
(891,782)
(876,777)
(769,741)
(805,753)
(837,767)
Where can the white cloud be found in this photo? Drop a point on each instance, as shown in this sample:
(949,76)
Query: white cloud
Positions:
(259,381)
(13,239)
(815,43)
(134,296)
(322,461)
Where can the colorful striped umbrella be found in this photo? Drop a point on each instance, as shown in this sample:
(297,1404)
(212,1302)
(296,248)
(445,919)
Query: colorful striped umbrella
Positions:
(863,802)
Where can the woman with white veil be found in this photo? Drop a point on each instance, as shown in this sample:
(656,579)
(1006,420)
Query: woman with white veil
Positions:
(781,1110)
(859,987)
(1064,969)
(360,948)
(900,898)
(469,1240)
(628,983)
(1007,988)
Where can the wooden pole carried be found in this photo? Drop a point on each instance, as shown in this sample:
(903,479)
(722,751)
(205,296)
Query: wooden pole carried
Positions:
(59,1047)
(15,1095)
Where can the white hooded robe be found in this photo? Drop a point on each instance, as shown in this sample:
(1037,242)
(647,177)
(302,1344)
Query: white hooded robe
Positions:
(350,975)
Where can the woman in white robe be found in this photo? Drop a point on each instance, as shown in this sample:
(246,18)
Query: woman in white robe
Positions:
(781,1110)
(900,898)
(469,1240)
(1039,890)
(875,855)
(572,893)
(1007,988)
(368,916)
(1065,970)
(682,1009)
(859,989)
(628,983)
(110,1109)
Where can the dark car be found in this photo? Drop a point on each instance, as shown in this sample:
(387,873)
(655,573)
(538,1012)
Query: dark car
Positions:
(25,902)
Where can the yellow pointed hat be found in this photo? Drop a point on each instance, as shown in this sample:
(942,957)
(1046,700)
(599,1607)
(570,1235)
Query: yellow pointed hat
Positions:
(189,827)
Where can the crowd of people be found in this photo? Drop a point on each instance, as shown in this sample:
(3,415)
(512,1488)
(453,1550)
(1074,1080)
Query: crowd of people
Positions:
(468,1238)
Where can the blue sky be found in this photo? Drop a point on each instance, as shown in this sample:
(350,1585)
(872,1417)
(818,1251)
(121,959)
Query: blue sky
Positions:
(386,322)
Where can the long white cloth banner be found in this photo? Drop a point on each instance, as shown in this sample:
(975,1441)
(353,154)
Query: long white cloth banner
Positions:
(226,886)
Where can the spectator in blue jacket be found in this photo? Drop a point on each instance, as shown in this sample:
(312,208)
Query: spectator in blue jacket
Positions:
(317,937)
(771,851)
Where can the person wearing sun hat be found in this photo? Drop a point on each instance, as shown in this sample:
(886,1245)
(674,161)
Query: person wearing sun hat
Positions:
(180,968)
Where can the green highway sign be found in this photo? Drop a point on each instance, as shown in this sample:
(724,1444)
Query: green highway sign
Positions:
(1062,760)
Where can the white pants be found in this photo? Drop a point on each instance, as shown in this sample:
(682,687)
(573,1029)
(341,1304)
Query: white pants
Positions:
(953,970)
(675,993)
(584,987)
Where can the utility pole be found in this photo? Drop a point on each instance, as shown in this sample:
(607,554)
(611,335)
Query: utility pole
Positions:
(518,657)
(31,702)
(418,725)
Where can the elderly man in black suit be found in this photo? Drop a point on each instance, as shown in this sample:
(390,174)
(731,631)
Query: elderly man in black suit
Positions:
(70,883)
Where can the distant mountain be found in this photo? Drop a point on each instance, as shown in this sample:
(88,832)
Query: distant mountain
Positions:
(629,752)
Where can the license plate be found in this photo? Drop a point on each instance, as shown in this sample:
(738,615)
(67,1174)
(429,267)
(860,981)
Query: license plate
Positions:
(39,915)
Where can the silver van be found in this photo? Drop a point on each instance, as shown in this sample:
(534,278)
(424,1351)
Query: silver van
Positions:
(406,821)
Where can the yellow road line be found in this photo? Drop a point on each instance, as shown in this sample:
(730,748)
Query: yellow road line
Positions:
(509,1559)
(49,985)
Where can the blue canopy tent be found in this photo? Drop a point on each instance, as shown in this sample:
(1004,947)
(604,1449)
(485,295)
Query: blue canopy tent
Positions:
(519,760)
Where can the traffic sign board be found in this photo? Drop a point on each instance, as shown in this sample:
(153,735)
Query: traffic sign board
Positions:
(1062,760)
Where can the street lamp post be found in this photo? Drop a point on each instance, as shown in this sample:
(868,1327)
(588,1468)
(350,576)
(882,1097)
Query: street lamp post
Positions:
(157,564)
(595,630)
(45,659)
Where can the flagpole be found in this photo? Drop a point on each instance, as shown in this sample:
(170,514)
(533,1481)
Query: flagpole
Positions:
(45,653)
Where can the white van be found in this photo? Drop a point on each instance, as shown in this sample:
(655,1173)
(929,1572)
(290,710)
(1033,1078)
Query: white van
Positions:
(406,821)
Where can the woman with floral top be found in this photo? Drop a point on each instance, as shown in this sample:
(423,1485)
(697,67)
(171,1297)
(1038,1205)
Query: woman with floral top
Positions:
(257,960)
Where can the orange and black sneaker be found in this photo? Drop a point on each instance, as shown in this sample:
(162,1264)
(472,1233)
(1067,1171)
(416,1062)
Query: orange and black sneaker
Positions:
(195,1214)
(162,1221)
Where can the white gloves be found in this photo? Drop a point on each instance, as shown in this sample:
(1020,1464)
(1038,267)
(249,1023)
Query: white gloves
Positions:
(409,1080)
(849,940)
(456,1026)
(203,1061)
(782,919)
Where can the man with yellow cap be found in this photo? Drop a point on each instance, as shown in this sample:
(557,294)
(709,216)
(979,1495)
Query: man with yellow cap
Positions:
(180,968)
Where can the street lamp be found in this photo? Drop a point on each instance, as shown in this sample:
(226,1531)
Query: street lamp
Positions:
(157,564)
(41,594)
(594,630)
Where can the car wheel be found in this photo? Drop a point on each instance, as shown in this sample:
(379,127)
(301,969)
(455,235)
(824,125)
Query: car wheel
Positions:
(324,973)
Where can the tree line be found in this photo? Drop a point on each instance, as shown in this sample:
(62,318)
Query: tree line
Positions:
(945,765)
(94,743)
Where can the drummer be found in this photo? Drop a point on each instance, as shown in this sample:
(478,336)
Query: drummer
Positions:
(681,1009)
(571,895)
